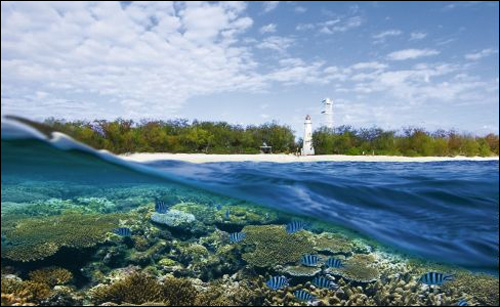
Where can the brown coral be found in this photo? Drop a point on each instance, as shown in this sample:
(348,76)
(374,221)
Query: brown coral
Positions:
(137,288)
(51,276)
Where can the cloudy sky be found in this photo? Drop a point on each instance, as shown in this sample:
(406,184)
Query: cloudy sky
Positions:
(431,64)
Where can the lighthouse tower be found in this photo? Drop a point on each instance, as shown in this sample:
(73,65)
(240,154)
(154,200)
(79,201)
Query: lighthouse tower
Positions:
(307,146)
(328,112)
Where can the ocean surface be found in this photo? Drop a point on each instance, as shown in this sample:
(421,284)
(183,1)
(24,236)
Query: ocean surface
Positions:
(443,211)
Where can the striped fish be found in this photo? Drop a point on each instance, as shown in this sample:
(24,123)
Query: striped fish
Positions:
(218,207)
(304,296)
(236,237)
(123,231)
(161,207)
(277,282)
(323,282)
(310,260)
(334,263)
(295,226)
(435,278)
(227,214)
(462,302)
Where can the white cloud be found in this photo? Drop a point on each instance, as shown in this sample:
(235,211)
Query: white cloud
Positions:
(105,60)
(340,25)
(300,9)
(417,35)
(480,54)
(277,43)
(304,26)
(369,65)
(269,28)
(408,54)
(269,5)
(384,34)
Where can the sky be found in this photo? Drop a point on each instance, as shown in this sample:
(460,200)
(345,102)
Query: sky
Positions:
(385,64)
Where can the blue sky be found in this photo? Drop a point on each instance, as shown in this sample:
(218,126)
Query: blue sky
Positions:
(387,64)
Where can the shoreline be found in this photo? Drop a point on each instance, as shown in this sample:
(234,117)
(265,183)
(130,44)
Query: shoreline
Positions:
(284,158)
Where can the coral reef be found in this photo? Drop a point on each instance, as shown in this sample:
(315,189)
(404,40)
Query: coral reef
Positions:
(301,271)
(333,243)
(358,268)
(38,238)
(51,276)
(133,289)
(483,288)
(174,218)
(274,246)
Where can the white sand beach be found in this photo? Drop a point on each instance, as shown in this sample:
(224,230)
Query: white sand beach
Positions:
(283,158)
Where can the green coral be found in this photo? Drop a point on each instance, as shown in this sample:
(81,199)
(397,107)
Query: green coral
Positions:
(136,288)
(167,262)
(358,268)
(38,238)
(332,242)
(51,276)
(274,246)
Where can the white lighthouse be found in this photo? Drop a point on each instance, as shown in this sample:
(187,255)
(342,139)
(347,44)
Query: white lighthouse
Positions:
(328,112)
(307,146)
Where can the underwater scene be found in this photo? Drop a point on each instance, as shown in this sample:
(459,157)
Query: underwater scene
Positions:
(82,227)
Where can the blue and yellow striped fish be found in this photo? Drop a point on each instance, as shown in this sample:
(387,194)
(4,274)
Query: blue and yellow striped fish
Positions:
(462,302)
(309,260)
(227,214)
(236,237)
(334,263)
(277,282)
(435,278)
(304,296)
(123,231)
(323,282)
(295,226)
(161,206)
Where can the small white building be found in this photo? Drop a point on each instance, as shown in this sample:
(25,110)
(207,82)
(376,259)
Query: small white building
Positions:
(307,146)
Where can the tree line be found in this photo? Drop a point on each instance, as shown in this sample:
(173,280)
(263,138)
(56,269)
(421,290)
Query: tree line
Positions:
(410,141)
(181,136)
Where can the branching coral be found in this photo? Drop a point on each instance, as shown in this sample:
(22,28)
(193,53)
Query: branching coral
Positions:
(51,276)
(178,291)
(274,246)
(483,288)
(136,288)
(38,238)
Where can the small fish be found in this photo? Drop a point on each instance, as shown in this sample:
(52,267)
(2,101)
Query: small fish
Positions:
(218,207)
(123,231)
(295,226)
(323,282)
(227,214)
(435,278)
(266,215)
(304,296)
(277,282)
(236,237)
(334,263)
(161,207)
(462,302)
(310,260)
